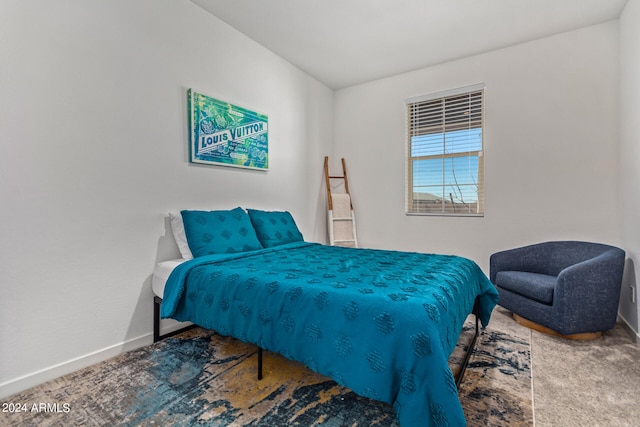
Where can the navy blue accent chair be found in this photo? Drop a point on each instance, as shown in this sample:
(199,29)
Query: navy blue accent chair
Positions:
(569,287)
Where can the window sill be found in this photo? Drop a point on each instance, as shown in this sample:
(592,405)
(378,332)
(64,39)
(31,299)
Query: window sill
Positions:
(481,215)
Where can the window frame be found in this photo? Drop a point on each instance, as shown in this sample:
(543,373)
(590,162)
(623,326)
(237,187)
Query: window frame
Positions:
(442,127)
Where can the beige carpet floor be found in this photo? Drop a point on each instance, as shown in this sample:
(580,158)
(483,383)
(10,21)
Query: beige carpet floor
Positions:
(586,383)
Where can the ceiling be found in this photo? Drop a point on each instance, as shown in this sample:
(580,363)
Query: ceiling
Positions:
(346,42)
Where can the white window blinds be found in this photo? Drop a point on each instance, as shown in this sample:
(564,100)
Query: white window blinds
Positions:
(445,153)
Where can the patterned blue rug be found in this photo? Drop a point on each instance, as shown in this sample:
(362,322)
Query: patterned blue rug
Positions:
(201,378)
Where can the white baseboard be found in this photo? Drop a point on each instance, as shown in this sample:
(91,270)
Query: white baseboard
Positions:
(635,336)
(36,378)
(19,384)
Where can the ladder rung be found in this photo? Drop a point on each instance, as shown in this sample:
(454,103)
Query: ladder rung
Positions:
(336,177)
(343,241)
(343,219)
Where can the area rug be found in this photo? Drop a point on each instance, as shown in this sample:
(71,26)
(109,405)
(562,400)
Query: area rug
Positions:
(202,378)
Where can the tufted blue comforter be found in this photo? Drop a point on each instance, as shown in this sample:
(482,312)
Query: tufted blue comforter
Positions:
(382,323)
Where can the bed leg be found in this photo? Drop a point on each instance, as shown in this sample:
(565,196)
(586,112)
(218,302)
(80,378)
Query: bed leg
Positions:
(259,363)
(156,319)
(156,322)
(472,345)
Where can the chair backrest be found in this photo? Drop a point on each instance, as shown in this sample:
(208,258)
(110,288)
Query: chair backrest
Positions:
(559,255)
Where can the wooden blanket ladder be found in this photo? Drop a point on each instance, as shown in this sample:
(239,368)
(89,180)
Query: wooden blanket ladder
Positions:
(341,219)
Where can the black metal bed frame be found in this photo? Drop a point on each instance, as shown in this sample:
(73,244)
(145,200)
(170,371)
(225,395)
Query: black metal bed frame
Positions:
(156,323)
(157,337)
(472,344)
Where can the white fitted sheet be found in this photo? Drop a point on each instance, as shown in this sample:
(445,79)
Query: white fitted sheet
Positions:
(161,273)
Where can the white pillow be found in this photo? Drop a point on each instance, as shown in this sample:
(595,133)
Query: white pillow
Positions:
(178,233)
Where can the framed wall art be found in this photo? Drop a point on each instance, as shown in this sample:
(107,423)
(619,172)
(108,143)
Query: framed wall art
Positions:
(224,134)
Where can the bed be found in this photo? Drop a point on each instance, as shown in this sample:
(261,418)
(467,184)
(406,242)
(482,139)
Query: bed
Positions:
(382,323)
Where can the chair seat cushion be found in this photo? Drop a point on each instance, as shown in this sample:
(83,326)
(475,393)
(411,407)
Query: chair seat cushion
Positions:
(535,286)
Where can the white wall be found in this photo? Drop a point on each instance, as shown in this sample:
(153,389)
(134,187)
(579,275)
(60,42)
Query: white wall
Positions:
(551,133)
(629,177)
(94,153)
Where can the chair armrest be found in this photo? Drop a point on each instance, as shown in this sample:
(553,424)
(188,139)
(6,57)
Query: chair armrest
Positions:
(592,286)
(527,258)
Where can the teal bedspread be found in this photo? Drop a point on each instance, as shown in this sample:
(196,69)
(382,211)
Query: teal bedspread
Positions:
(382,323)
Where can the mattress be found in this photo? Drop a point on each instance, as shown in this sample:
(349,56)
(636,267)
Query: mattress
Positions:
(161,273)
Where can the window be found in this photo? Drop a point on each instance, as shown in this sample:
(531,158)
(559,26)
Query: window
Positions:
(445,153)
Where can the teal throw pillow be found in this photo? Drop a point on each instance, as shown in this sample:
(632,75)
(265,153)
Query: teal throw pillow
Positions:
(274,228)
(219,232)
